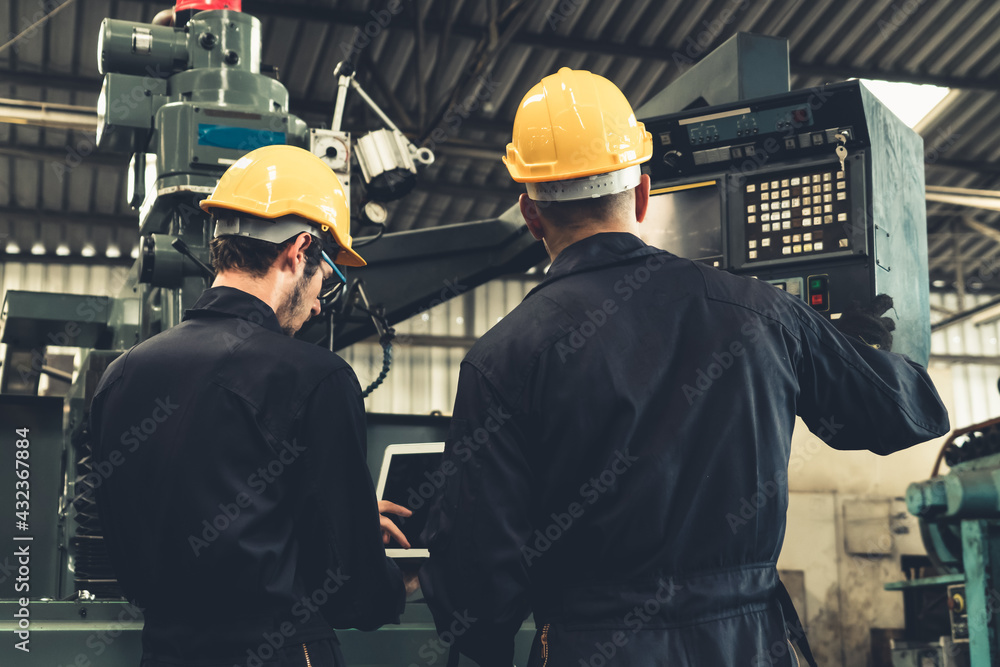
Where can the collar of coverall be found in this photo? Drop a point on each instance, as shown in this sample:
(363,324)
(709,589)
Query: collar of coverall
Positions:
(595,252)
(232,302)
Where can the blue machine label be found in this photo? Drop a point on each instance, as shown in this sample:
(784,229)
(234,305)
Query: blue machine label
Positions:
(237,138)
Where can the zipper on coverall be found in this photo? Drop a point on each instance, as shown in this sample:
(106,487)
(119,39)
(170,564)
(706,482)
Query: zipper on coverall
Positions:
(306,652)
(545,644)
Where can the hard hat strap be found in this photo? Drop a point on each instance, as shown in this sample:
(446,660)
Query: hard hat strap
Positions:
(588,187)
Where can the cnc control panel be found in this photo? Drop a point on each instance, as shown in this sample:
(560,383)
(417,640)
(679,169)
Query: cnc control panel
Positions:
(818,192)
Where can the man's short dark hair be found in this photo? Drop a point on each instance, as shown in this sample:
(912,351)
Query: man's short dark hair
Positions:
(571,213)
(253,256)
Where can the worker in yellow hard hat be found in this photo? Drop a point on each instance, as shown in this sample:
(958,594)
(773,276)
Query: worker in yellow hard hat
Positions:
(618,455)
(235,453)
(276,195)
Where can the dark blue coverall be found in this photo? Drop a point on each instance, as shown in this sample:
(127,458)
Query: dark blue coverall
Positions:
(237,505)
(608,437)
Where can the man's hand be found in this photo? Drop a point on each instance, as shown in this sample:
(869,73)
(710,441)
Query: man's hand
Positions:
(411,582)
(867,323)
(389,529)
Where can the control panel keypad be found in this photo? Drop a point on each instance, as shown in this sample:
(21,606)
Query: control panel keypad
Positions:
(797,216)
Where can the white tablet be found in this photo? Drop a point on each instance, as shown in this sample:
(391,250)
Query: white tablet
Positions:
(411,476)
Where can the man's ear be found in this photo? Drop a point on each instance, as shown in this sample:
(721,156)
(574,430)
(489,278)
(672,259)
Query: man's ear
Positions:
(529,211)
(642,198)
(296,250)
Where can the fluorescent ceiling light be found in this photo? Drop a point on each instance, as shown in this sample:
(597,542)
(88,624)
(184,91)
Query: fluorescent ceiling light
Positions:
(910,101)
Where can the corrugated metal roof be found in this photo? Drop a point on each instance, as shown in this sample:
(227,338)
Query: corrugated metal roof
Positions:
(55,190)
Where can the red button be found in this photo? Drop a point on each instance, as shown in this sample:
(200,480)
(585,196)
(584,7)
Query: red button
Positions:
(817,299)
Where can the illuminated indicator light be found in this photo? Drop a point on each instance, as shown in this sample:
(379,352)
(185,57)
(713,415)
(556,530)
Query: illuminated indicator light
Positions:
(815,283)
(808,247)
(817,299)
(797,248)
(817,246)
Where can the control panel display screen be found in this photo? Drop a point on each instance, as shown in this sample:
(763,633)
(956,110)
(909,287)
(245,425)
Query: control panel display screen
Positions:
(797,214)
(686,221)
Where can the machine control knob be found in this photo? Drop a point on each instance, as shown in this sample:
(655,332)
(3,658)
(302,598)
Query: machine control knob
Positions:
(956,603)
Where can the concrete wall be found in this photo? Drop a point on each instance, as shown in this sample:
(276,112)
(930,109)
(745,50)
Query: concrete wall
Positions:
(845,598)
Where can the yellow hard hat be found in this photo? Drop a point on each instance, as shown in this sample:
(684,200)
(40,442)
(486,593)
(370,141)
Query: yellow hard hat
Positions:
(575,124)
(277,181)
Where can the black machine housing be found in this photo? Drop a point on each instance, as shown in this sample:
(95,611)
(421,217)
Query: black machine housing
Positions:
(756,188)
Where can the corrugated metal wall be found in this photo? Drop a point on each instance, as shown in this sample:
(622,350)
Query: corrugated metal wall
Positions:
(975,385)
(424,377)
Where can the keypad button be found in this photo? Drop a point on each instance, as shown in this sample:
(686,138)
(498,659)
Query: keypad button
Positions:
(786,193)
(807,236)
(764,243)
(796,181)
(765,227)
(827,198)
(787,238)
(764,206)
(827,176)
(787,250)
(841,196)
(841,185)
(842,243)
(807,211)
(751,208)
(827,219)
(774,185)
(841,217)
(751,219)
(797,248)
(840,175)
(796,238)
(784,183)
(808,247)
(807,190)
(752,254)
(765,196)
(765,186)
(796,202)
(764,217)
(785,203)
(786,215)
(827,187)
(751,188)
(806,201)
(818,245)
(752,243)
(828,208)
(817,178)
(807,222)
